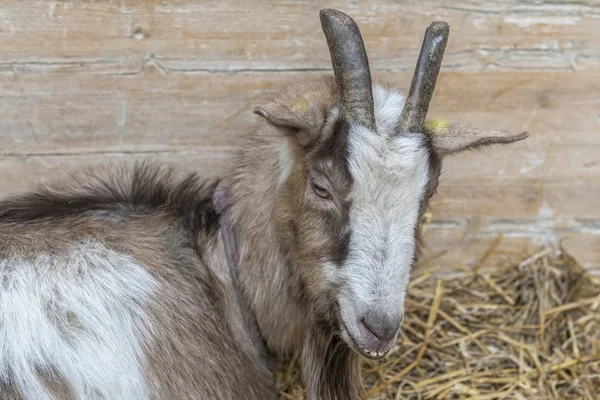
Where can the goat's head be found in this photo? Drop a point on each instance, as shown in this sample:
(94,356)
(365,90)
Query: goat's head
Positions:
(357,168)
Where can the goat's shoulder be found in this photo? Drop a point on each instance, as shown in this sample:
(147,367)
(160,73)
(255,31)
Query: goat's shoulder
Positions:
(142,216)
(140,199)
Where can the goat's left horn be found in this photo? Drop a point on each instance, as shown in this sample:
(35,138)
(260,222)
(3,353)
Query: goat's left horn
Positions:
(350,66)
(425,77)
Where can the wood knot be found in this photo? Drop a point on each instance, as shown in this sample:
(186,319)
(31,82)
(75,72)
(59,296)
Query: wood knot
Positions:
(140,33)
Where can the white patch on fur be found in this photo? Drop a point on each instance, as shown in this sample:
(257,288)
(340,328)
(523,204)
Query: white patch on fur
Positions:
(286,161)
(390,174)
(334,113)
(388,107)
(80,314)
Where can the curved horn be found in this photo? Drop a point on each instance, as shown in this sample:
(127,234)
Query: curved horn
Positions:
(425,77)
(350,66)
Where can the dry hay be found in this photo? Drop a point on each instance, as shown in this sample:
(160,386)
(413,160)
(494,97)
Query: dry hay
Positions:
(528,329)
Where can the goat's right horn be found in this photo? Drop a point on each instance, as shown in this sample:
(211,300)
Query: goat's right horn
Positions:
(350,66)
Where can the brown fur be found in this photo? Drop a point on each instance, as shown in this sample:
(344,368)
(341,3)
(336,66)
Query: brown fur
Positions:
(10,391)
(201,346)
(57,386)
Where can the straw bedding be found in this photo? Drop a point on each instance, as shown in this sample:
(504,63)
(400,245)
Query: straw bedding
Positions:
(527,329)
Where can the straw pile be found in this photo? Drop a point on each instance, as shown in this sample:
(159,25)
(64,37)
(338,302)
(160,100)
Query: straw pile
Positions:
(529,329)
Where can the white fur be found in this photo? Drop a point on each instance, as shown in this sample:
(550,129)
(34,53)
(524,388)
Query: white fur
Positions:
(79,314)
(286,162)
(390,173)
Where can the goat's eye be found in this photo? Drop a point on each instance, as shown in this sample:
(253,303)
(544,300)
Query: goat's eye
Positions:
(321,191)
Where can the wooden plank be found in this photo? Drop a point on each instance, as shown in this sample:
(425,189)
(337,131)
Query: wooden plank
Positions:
(122,36)
(451,246)
(26,172)
(585,248)
(556,169)
(72,113)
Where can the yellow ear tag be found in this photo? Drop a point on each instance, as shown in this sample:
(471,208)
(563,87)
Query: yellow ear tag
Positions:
(300,107)
(436,126)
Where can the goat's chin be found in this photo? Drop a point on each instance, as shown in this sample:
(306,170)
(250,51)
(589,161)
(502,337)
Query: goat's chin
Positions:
(352,344)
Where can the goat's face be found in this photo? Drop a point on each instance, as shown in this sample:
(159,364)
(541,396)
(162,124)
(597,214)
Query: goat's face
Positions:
(352,185)
(348,204)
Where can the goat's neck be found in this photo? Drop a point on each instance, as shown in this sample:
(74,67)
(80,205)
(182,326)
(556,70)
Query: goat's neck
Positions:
(271,287)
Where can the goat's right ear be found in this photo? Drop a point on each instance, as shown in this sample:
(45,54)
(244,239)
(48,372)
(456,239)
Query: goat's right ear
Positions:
(281,115)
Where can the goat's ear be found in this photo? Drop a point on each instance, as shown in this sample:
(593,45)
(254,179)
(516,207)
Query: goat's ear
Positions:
(297,120)
(448,138)
(282,116)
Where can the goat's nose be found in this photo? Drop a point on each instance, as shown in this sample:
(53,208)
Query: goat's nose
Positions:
(379,329)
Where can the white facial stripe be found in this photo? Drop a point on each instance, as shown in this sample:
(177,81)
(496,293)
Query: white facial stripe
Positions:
(390,174)
(80,314)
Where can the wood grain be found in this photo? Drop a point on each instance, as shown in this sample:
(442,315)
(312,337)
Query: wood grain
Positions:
(120,36)
(103,81)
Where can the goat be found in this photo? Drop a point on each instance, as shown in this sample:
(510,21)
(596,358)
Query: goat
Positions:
(136,283)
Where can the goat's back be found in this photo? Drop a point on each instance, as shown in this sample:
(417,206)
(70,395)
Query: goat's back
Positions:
(108,290)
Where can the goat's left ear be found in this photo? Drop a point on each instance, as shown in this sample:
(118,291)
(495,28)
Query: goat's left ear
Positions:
(448,138)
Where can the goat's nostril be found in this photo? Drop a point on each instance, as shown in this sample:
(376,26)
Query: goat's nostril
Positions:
(376,327)
(381,326)
(372,329)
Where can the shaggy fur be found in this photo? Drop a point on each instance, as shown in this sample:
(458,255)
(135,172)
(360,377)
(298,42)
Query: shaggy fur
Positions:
(114,287)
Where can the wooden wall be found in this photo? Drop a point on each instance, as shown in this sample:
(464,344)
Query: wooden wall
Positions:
(88,81)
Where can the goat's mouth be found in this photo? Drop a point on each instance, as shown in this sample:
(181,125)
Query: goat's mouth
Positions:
(353,344)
